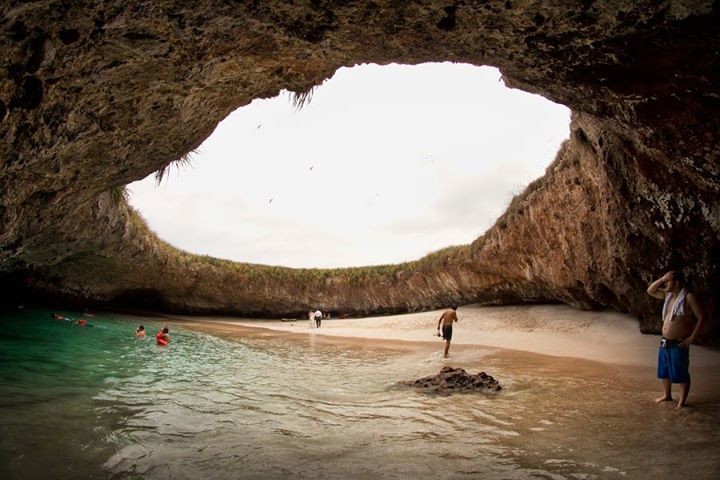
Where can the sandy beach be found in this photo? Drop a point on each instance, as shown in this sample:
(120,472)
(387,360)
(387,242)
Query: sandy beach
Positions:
(558,330)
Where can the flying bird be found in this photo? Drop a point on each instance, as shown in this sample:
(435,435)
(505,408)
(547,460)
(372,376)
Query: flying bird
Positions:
(311,167)
(259,125)
(270,201)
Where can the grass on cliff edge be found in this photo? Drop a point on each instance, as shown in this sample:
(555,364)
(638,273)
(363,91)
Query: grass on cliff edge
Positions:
(452,255)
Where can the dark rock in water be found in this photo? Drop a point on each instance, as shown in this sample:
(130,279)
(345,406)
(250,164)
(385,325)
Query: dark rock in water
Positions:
(451,380)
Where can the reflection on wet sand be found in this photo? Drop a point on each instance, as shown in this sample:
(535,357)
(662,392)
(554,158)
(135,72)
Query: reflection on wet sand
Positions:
(556,417)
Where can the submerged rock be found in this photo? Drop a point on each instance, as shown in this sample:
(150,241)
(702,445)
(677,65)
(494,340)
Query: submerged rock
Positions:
(451,380)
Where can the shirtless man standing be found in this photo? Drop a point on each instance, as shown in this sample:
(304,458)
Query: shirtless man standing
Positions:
(682,320)
(447,318)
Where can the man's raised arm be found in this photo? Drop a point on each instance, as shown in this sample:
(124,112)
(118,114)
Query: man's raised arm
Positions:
(654,288)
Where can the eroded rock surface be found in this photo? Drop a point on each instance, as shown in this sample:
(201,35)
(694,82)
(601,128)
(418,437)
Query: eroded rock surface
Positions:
(451,380)
(96,95)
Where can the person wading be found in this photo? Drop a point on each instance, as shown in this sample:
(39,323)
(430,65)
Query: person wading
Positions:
(446,319)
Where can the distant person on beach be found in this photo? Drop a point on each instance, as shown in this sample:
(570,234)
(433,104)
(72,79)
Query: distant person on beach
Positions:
(318,318)
(140,332)
(682,319)
(446,319)
(311,319)
(163,336)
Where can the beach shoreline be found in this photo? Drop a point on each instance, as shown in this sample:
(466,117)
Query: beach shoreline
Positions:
(557,330)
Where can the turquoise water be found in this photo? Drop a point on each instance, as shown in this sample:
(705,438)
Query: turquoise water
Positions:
(81,402)
(53,376)
(95,402)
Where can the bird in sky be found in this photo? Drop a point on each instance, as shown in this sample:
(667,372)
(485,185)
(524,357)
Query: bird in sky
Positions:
(270,201)
(311,167)
(259,125)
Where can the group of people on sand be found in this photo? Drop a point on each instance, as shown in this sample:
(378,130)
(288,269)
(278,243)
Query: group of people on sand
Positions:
(682,320)
(315,318)
(162,338)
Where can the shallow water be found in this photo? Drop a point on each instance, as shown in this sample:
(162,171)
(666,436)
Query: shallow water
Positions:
(97,403)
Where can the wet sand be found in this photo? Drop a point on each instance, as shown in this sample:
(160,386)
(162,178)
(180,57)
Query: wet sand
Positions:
(606,337)
(558,330)
(578,397)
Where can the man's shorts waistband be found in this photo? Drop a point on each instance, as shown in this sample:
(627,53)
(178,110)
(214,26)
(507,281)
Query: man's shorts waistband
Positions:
(669,343)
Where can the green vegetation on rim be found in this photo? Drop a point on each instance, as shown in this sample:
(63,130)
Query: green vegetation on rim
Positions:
(349,275)
(185,160)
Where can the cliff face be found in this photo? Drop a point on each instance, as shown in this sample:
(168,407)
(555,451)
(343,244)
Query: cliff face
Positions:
(97,95)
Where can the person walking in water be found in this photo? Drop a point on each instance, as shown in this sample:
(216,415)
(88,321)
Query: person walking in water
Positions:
(446,319)
(140,332)
(682,319)
(318,318)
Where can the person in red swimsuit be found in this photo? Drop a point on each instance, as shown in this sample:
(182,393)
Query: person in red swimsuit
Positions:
(163,336)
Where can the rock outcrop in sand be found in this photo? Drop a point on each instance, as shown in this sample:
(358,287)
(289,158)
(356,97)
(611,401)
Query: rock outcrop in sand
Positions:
(95,96)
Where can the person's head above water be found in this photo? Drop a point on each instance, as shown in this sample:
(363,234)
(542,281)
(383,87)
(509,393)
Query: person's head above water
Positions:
(166,330)
(141,327)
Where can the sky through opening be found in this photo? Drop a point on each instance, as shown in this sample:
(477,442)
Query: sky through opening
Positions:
(384,165)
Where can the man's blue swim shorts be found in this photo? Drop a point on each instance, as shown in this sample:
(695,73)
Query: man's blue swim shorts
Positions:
(673,361)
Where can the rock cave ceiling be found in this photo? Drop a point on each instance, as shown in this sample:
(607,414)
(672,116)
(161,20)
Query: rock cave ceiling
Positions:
(95,95)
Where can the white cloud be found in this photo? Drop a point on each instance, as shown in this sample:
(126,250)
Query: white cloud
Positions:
(384,165)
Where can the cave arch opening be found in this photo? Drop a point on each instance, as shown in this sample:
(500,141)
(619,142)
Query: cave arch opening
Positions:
(384,165)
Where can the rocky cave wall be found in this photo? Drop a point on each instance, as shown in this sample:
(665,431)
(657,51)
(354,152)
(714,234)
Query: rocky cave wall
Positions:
(95,95)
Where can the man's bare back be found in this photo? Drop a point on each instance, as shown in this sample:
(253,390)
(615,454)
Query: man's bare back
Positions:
(448,317)
(446,320)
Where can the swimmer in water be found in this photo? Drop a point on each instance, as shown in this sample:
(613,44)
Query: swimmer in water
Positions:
(163,336)
(140,332)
